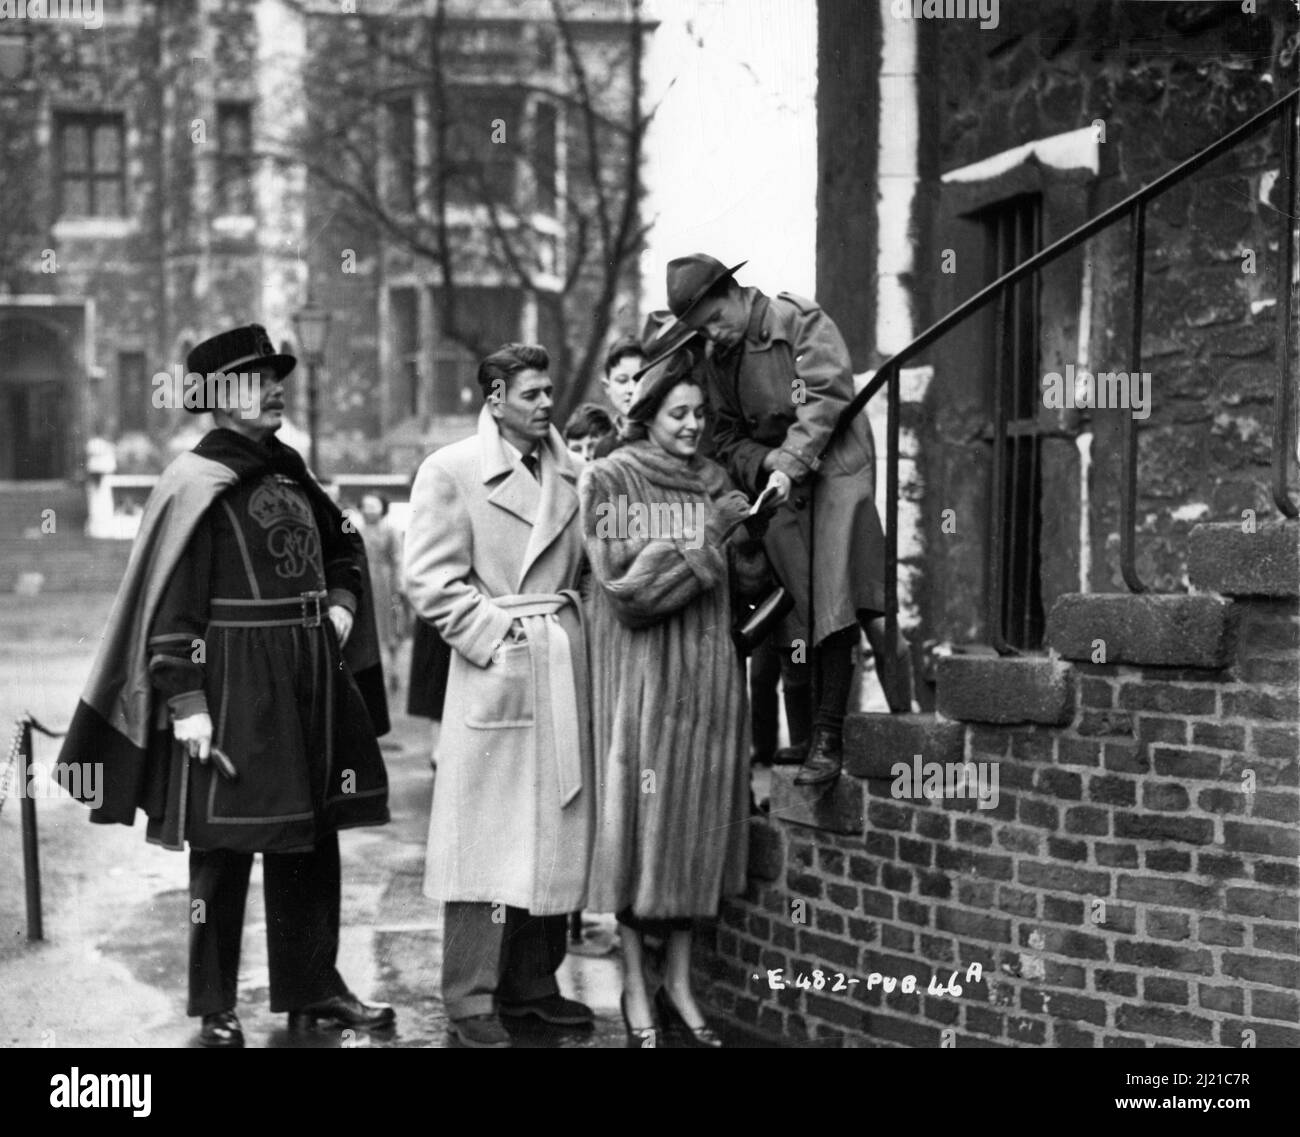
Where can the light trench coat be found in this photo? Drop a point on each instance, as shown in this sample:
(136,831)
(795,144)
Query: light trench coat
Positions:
(512,803)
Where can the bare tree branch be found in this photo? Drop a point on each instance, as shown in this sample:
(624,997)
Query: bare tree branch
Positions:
(375,61)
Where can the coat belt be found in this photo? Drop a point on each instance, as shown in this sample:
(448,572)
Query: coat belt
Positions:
(557,723)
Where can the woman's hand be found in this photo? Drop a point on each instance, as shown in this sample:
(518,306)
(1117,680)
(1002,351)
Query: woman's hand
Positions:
(730,508)
(726,517)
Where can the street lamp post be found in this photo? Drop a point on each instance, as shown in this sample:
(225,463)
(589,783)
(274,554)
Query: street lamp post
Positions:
(312,325)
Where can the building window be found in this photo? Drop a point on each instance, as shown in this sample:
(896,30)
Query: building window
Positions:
(134,391)
(406,348)
(401,148)
(545,156)
(234,158)
(486,315)
(483,128)
(92,170)
(1013,234)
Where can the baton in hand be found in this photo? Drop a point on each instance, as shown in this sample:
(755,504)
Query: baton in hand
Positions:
(225,767)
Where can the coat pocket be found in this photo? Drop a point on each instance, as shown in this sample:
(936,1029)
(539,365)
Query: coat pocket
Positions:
(501,694)
(853,453)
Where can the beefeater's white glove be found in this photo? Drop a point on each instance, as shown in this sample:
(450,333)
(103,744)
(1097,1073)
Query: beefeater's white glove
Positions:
(194,732)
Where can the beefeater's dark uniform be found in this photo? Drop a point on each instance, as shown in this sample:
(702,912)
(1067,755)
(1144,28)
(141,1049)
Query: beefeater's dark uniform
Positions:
(240,629)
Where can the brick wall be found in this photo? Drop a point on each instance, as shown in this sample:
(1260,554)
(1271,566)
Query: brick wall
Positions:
(1126,891)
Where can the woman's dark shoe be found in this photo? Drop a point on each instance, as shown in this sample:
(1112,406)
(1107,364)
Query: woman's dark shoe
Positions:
(345,1010)
(824,762)
(221,1030)
(640,1038)
(698,1037)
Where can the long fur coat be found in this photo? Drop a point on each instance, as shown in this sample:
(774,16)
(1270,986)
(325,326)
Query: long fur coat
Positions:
(670,722)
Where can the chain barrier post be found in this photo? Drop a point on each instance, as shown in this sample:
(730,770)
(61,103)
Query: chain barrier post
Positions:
(22,748)
(31,848)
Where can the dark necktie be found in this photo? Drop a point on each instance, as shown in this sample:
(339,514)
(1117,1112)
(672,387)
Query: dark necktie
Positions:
(533,465)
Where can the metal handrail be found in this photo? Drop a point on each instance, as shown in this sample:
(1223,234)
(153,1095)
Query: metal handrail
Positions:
(1134,205)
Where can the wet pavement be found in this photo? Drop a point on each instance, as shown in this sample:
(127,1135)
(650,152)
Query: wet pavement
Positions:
(112,968)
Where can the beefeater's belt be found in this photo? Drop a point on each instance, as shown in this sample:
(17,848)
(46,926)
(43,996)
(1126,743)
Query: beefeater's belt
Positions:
(302,611)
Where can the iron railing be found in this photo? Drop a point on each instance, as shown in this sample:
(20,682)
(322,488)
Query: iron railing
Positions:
(1284,112)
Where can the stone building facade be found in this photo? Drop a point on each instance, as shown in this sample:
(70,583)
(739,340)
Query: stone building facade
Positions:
(151,195)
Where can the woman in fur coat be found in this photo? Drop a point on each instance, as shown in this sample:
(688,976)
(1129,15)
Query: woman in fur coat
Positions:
(671,729)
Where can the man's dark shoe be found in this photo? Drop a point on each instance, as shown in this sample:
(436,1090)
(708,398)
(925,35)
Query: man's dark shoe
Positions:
(481,1032)
(790,755)
(552,1009)
(824,762)
(346,1010)
(221,1030)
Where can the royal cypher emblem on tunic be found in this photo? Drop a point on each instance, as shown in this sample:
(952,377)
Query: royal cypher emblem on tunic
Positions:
(280,508)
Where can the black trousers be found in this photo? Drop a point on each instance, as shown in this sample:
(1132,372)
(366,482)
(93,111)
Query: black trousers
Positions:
(494,953)
(302,926)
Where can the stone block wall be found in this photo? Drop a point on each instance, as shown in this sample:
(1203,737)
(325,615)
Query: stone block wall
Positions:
(1156,83)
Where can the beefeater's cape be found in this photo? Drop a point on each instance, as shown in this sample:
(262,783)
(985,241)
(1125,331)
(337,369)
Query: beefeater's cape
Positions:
(121,720)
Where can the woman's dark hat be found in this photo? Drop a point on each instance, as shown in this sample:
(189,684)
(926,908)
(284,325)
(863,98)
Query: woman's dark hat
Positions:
(660,376)
(691,277)
(239,350)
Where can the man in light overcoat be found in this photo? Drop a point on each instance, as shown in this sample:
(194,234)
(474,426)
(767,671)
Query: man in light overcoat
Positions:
(493,559)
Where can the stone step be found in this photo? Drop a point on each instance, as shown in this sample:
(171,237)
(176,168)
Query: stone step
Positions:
(837,807)
(1122,627)
(1004,689)
(874,742)
(1262,562)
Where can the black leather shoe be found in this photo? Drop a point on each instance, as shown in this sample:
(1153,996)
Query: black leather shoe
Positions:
(221,1030)
(345,1010)
(481,1032)
(550,1009)
(824,762)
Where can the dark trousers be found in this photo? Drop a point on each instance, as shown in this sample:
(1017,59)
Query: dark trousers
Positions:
(302,926)
(765,719)
(484,960)
(770,665)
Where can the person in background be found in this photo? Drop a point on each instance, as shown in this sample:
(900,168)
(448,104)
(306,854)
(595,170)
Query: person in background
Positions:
(623,361)
(589,428)
(384,552)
